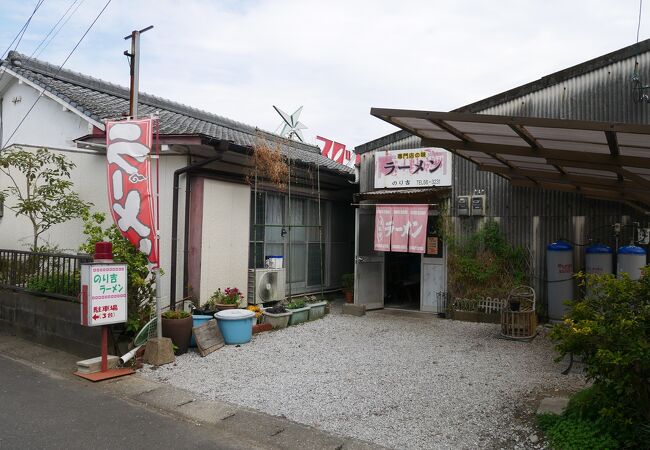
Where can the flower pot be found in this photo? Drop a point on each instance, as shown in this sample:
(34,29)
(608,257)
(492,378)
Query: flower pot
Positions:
(317,310)
(236,325)
(277,321)
(179,331)
(299,315)
(349,296)
(223,306)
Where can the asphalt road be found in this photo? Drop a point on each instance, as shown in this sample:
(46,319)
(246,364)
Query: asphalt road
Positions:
(44,411)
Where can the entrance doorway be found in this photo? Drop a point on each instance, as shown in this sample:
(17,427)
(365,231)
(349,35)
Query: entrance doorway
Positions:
(402,278)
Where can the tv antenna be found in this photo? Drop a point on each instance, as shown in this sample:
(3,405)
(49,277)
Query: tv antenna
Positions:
(291,126)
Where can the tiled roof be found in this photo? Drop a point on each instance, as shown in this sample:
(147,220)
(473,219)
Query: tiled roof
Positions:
(99,100)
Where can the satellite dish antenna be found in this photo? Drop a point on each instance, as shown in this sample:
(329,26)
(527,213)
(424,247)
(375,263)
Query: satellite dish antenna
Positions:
(291,126)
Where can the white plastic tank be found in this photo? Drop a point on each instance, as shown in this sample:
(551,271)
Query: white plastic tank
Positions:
(559,276)
(598,260)
(630,260)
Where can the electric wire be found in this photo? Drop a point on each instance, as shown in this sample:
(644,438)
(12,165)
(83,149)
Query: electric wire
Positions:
(638,27)
(54,28)
(55,74)
(60,28)
(20,34)
(49,33)
(22,31)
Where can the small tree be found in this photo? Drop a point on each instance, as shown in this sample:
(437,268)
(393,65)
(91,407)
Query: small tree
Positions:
(140,279)
(40,188)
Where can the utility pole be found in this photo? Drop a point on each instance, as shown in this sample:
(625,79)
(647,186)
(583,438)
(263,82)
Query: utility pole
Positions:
(135,69)
(134,59)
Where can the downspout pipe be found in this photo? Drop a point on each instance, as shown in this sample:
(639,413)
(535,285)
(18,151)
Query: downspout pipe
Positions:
(174,249)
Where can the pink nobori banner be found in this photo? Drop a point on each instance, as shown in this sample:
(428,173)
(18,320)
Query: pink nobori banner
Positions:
(418,215)
(399,239)
(383,228)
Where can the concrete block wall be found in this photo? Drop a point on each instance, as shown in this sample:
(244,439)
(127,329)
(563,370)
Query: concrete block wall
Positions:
(48,321)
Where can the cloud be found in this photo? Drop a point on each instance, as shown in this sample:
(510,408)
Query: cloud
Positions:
(337,58)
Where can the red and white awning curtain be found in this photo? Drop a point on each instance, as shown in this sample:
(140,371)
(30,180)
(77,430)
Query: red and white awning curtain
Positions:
(401,228)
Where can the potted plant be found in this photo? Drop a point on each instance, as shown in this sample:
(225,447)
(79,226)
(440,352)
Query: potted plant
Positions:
(226,299)
(299,312)
(277,316)
(348,287)
(177,325)
(316,306)
(258,325)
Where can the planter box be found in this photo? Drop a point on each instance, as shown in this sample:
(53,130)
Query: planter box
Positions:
(277,321)
(261,327)
(299,315)
(317,310)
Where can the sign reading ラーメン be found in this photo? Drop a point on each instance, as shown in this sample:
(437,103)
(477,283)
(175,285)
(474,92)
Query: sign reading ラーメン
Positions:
(414,168)
(128,144)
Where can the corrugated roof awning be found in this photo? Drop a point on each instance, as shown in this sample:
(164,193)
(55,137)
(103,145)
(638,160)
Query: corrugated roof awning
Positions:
(413,195)
(606,161)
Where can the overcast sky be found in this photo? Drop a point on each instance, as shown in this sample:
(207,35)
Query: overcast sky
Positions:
(336,58)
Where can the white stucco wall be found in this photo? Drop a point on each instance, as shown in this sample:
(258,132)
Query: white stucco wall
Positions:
(224,253)
(49,125)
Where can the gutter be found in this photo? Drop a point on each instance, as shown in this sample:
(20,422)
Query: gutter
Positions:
(174,247)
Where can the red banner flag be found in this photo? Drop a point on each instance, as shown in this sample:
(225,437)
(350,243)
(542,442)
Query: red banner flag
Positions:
(128,144)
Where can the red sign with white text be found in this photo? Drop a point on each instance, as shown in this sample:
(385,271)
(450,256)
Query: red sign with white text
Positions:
(128,146)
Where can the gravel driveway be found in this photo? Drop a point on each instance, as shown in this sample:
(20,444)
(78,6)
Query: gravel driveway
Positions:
(400,380)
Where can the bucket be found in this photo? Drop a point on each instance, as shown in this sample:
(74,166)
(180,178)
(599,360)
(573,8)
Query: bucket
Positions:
(197,321)
(236,325)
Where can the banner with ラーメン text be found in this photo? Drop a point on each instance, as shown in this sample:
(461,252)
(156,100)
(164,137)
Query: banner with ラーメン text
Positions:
(383,228)
(128,147)
(401,228)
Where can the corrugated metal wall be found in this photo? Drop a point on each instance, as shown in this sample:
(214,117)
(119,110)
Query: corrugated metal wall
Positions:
(534,217)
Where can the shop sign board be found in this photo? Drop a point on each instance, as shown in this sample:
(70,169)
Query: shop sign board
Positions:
(414,168)
(103,294)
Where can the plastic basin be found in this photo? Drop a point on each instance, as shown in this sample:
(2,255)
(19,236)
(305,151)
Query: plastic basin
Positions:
(197,321)
(236,325)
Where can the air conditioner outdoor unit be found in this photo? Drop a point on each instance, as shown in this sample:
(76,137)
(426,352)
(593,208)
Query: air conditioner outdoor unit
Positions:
(266,285)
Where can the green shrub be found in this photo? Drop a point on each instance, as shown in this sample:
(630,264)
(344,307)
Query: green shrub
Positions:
(174,315)
(609,330)
(485,264)
(297,304)
(63,284)
(564,433)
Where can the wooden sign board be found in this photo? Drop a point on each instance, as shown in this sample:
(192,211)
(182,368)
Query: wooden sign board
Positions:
(208,337)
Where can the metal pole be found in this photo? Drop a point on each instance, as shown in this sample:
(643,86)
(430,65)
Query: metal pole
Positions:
(158,299)
(255,240)
(320,236)
(288,223)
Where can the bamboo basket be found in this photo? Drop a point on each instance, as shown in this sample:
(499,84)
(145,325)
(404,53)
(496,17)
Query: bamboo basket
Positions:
(520,323)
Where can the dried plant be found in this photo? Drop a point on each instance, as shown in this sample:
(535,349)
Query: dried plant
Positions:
(269,164)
